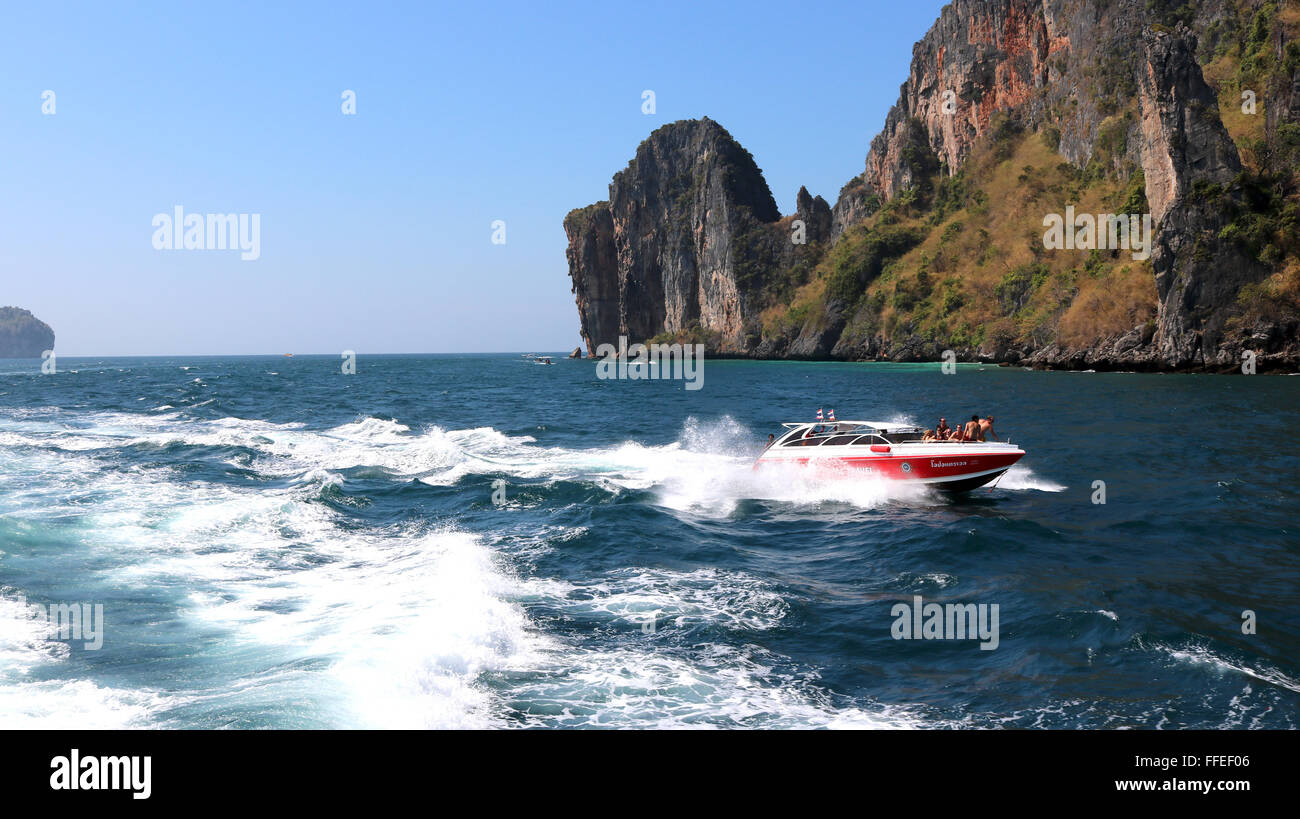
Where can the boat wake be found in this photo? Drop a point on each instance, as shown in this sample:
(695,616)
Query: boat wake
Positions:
(707,470)
(283,599)
(30,700)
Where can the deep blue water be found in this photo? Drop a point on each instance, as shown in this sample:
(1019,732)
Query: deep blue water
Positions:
(277,544)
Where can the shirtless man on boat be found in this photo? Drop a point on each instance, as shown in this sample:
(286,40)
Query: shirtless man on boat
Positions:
(986,429)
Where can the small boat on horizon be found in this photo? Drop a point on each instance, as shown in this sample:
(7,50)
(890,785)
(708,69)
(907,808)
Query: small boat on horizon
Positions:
(893,451)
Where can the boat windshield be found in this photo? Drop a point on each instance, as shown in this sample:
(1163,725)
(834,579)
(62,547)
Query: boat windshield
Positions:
(832,434)
(789,436)
(841,434)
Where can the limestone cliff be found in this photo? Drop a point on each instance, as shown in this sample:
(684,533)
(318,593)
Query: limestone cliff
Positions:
(683,242)
(1183,144)
(979,58)
(1011,110)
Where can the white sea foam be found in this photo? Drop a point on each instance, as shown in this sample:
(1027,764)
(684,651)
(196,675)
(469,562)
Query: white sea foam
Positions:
(1020,477)
(1202,656)
(24,640)
(723,686)
(403,621)
(655,598)
(52,705)
(914,581)
(407,624)
(27,643)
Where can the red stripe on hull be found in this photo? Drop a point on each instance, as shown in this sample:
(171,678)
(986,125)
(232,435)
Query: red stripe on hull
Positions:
(925,468)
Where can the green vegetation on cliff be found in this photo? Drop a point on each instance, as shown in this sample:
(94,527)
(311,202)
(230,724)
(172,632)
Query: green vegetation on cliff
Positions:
(959,260)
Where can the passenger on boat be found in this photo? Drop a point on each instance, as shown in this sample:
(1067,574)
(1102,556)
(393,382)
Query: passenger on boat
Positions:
(986,429)
(771,439)
(929,437)
(958,434)
(973,431)
(942,431)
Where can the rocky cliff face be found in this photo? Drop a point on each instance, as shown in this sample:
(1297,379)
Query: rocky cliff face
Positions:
(979,58)
(666,252)
(593,266)
(22,335)
(1183,143)
(690,241)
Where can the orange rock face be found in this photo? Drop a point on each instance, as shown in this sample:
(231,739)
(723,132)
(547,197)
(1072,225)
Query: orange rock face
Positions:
(980,58)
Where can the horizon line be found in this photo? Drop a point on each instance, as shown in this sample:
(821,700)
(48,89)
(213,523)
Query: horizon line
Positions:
(281,355)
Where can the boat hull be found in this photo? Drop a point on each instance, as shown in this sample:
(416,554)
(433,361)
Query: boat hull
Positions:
(950,471)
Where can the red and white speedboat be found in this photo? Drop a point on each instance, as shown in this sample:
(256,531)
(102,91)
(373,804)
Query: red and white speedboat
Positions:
(895,451)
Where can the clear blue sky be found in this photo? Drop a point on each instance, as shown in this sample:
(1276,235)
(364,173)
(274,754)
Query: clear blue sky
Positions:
(376,228)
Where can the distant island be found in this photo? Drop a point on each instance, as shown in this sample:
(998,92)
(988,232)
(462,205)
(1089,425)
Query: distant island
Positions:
(1166,134)
(23,335)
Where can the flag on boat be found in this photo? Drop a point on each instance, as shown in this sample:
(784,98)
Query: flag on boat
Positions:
(819,413)
(832,418)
